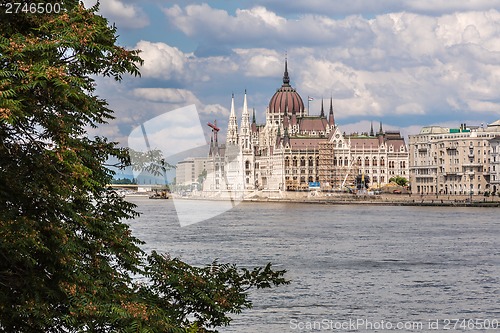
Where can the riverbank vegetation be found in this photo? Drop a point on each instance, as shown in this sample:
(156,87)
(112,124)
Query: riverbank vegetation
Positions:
(68,261)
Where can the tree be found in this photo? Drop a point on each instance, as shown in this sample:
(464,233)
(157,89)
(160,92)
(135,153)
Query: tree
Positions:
(66,256)
(401,181)
(201,178)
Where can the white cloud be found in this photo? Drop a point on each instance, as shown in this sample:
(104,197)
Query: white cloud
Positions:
(260,62)
(484,106)
(260,14)
(124,15)
(410,108)
(262,27)
(215,109)
(446,6)
(396,64)
(179,98)
(166,95)
(203,20)
(161,60)
(370,7)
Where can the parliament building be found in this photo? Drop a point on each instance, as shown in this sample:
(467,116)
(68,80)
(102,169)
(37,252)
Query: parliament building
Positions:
(294,150)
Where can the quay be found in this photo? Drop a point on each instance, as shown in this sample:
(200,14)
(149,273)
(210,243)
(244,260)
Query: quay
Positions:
(353,199)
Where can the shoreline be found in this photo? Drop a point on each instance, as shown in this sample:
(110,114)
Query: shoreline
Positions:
(386,203)
(379,200)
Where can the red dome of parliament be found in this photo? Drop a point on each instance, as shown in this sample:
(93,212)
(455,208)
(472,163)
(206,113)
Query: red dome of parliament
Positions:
(286,98)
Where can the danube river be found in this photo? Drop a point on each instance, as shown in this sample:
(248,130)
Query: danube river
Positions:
(354,268)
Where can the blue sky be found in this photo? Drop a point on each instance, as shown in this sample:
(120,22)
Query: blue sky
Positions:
(406,63)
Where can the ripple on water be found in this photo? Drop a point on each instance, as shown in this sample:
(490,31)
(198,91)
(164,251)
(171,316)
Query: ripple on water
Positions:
(345,262)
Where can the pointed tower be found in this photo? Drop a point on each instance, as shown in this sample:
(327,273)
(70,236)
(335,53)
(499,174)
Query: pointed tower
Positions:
(247,151)
(285,96)
(232,128)
(286,78)
(244,138)
(331,120)
(371,129)
(380,131)
(254,123)
(322,115)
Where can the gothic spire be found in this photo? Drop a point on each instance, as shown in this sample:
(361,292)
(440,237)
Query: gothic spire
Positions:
(245,104)
(371,129)
(232,130)
(245,126)
(232,105)
(331,120)
(380,131)
(322,109)
(286,78)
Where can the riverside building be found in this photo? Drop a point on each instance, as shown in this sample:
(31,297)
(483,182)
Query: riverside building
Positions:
(455,161)
(296,151)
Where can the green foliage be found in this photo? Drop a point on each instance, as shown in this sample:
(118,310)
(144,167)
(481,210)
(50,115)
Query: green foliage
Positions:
(66,256)
(201,178)
(401,181)
(122,181)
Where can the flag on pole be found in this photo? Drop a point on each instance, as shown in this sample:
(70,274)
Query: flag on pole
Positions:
(309,98)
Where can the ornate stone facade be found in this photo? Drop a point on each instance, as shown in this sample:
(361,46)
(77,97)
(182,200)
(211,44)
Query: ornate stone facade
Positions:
(294,150)
(460,161)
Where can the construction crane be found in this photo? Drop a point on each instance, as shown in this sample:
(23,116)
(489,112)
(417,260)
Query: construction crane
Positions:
(215,129)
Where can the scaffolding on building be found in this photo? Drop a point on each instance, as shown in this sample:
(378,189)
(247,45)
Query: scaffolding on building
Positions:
(334,173)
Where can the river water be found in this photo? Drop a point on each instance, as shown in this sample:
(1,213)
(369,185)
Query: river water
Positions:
(354,268)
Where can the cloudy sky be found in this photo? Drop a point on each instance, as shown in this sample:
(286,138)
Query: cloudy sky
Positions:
(406,63)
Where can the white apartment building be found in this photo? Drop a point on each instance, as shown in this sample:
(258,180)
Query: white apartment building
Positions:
(454,161)
(188,170)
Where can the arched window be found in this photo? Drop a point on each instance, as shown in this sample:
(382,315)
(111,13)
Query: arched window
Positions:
(374,163)
(367,162)
(382,162)
(335,161)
